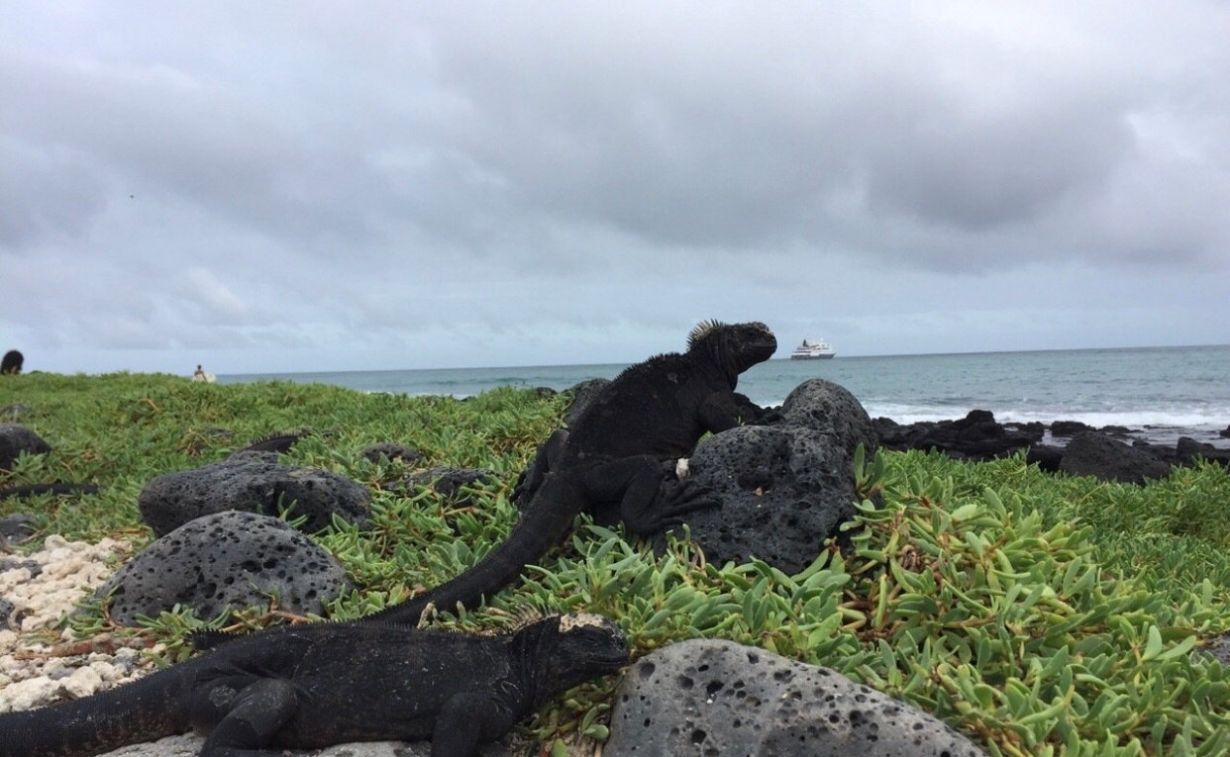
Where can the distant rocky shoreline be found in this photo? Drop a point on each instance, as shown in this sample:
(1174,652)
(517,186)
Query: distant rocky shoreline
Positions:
(1110,453)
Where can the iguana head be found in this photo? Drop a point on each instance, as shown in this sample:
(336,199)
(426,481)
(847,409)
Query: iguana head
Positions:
(736,346)
(574,648)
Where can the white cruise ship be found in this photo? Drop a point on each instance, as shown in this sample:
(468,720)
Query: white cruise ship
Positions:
(819,350)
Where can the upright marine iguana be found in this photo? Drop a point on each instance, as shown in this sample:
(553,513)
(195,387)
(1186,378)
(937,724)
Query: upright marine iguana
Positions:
(611,459)
(11,363)
(316,685)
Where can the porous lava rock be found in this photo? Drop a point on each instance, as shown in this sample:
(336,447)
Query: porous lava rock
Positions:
(829,408)
(16,439)
(782,492)
(225,561)
(715,697)
(1091,453)
(254,482)
(783,489)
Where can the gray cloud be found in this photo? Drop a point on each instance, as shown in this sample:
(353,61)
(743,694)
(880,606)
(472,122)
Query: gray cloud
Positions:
(459,184)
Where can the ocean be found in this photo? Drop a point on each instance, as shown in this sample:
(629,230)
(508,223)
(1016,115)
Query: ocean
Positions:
(1166,392)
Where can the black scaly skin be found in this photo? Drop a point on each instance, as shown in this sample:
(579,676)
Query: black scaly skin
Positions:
(10,364)
(610,463)
(311,686)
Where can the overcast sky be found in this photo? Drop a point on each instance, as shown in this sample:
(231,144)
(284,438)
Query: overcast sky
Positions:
(266,187)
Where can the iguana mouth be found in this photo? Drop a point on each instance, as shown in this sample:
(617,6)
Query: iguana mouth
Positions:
(612,658)
(608,663)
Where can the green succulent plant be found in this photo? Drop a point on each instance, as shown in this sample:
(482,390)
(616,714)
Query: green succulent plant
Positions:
(1038,614)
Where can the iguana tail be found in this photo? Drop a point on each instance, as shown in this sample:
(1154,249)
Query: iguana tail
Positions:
(29,490)
(144,710)
(543,523)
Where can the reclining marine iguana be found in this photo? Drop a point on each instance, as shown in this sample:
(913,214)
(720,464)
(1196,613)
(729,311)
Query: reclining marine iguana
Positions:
(611,460)
(315,685)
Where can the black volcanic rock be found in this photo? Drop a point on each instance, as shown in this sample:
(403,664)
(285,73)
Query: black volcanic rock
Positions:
(783,491)
(16,528)
(716,697)
(1101,455)
(783,488)
(1045,456)
(828,408)
(977,436)
(1091,453)
(1069,428)
(16,439)
(253,482)
(1189,450)
(1035,430)
(225,561)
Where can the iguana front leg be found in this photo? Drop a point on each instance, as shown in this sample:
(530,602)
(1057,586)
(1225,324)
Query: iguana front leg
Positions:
(466,720)
(725,410)
(256,714)
(648,501)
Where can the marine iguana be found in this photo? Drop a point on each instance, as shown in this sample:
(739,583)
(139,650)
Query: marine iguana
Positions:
(610,462)
(31,490)
(316,685)
(11,363)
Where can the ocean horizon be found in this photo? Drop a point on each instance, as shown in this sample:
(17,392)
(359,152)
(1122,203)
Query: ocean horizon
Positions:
(1165,391)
